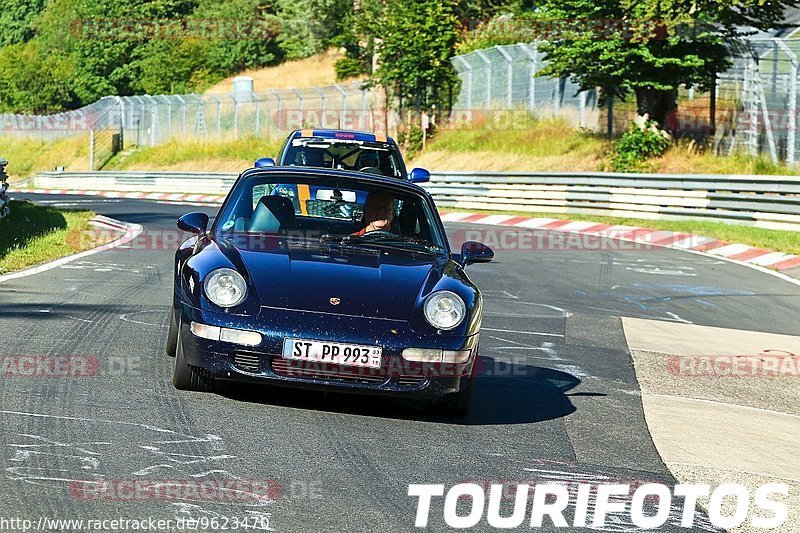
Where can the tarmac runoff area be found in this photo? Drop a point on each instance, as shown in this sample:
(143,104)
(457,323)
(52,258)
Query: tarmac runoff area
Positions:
(716,418)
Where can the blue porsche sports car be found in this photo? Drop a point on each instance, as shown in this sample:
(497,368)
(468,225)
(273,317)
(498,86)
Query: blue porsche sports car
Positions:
(344,294)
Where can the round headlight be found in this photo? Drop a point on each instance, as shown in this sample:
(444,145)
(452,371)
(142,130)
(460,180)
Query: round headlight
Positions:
(225,287)
(445,310)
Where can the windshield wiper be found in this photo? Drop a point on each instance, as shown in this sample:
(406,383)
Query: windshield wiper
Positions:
(393,239)
(343,242)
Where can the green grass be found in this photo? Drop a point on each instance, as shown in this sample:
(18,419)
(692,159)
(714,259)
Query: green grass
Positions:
(28,156)
(34,234)
(525,136)
(240,153)
(769,239)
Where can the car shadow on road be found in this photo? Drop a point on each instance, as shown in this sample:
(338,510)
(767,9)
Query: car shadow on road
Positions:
(504,394)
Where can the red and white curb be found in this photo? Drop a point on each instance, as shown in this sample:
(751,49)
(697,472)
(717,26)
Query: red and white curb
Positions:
(127,232)
(213,199)
(660,238)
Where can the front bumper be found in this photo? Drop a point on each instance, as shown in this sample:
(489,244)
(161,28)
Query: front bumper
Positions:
(264,364)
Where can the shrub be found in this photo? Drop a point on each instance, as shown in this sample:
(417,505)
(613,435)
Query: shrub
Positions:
(642,141)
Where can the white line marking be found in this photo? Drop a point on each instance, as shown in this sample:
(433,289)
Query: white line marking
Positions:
(541,334)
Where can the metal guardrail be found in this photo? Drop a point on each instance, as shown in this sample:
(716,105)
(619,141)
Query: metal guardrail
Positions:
(166,182)
(765,201)
(4,209)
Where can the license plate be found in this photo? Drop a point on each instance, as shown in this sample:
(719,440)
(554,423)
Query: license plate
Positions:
(332,352)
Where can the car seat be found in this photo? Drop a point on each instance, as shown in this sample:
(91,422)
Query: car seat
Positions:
(273,214)
(311,157)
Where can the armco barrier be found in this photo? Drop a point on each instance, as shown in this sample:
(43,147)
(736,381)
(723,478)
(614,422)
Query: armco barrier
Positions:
(765,201)
(4,209)
(176,182)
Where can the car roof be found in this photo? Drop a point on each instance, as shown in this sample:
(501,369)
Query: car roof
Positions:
(354,135)
(357,177)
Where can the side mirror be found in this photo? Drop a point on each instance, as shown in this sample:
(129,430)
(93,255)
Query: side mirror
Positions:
(475,252)
(193,222)
(264,162)
(419,175)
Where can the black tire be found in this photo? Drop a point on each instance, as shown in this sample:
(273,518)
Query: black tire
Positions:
(172,334)
(187,377)
(458,403)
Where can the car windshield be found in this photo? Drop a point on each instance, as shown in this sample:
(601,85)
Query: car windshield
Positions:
(331,211)
(345,154)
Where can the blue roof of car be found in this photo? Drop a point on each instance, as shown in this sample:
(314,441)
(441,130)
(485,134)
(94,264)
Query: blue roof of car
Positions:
(344,134)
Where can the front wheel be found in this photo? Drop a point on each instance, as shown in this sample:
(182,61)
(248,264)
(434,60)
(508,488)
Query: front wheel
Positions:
(172,334)
(187,377)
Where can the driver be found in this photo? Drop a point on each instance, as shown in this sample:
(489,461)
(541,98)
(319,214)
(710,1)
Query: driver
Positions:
(369,160)
(378,213)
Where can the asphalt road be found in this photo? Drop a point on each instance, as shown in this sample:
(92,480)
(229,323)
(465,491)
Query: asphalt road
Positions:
(558,399)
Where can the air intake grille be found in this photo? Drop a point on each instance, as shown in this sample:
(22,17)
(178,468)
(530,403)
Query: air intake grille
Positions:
(247,362)
(302,369)
(410,381)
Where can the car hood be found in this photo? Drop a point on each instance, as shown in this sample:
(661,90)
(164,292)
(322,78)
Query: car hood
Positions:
(383,284)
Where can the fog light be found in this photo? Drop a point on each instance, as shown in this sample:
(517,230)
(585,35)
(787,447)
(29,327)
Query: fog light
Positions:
(235,336)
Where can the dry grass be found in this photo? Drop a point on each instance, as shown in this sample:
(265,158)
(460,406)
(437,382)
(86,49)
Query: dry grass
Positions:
(313,71)
(536,145)
(221,156)
(27,156)
(552,145)
(686,158)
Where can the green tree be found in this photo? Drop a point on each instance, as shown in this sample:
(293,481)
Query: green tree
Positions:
(415,43)
(357,38)
(311,26)
(252,40)
(663,45)
(105,53)
(34,79)
(16,20)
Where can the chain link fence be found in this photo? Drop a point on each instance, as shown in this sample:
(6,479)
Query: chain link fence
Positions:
(505,78)
(753,109)
(152,120)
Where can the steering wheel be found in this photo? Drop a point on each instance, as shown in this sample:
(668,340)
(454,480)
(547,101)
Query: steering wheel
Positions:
(378,232)
(371,170)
